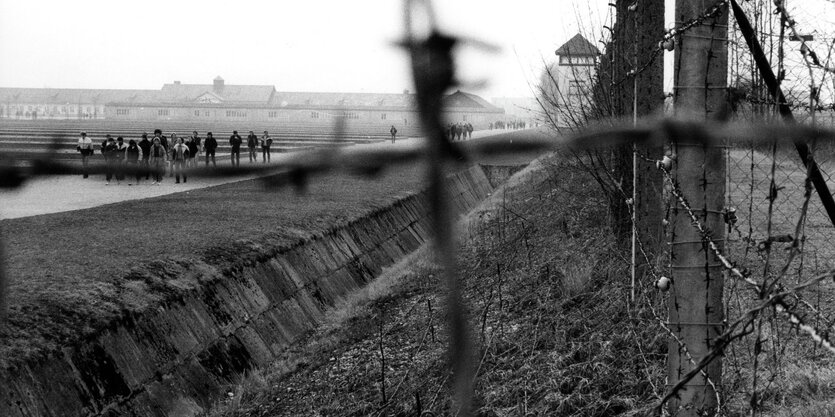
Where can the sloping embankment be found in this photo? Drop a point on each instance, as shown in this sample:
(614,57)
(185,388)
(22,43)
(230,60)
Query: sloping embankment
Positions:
(176,358)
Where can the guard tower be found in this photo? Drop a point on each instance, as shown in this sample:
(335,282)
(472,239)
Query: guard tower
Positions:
(574,72)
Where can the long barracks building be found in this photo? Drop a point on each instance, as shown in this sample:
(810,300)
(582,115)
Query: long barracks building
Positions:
(219,102)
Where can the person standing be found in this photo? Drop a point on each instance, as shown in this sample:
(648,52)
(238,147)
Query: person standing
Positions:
(171,159)
(195,138)
(210,147)
(145,146)
(156,159)
(393,132)
(469,130)
(179,155)
(266,142)
(236,141)
(252,143)
(132,159)
(193,150)
(85,147)
(121,148)
(109,152)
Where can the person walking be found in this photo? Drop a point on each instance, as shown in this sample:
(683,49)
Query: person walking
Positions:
(174,141)
(121,148)
(179,156)
(210,147)
(236,141)
(163,141)
(109,152)
(195,138)
(85,147)
(156,159)
(193,150)
(266,142)
(132,154)
(252,143)
(145,146)
(393,132)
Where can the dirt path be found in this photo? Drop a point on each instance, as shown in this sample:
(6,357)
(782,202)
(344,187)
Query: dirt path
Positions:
(65,193)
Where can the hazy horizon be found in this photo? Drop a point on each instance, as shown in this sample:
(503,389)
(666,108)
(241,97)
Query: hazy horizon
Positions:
(110,45)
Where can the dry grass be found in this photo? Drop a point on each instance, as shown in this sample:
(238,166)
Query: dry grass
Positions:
(549,339)
(71,273)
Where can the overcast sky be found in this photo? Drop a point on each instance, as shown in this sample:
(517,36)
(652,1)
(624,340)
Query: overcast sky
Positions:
(305,45)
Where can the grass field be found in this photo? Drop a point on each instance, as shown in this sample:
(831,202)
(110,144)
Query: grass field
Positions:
(546,293)
(544,288)
(67,269)
(73,272)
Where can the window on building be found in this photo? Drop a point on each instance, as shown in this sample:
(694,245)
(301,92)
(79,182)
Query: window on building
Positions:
(576,88)
(163,112)
(576,60)
(383,116)
(272,114)
(314,115)
(206,113)
(122,112)
(197,113)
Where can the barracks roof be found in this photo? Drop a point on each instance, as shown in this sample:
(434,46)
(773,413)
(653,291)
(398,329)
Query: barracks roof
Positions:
(577,46)
(233,95)
(64,96)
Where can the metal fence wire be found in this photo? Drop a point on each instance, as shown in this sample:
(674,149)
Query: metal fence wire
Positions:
(777,253)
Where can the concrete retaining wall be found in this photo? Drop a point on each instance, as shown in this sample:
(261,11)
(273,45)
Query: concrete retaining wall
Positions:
(178,358)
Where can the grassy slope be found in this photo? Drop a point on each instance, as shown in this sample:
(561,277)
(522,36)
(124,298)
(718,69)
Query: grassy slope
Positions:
(546,293)
(67,269)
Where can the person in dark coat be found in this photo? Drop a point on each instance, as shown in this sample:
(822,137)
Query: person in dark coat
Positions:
(132,154)
(145,146)
(210,146)
(195,138)
(236,141)
(121,148)
(393,132)
(193,150)
(109,151)
(252,143)
(104,142)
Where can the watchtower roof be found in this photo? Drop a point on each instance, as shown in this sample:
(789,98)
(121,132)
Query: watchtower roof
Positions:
(578,46)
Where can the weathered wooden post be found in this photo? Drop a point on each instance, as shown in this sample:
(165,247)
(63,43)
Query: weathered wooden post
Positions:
(695,305)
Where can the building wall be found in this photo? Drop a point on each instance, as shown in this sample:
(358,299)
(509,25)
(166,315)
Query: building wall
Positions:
(480,120)
(68,111)
(217,113)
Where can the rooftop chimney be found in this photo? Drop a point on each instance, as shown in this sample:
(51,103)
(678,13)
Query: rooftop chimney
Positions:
(176,82)
(218,84)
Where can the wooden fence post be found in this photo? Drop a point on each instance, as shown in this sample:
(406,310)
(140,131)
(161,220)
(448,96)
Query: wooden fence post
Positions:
(695,305)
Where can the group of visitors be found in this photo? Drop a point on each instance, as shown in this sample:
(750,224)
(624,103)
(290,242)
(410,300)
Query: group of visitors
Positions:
(457,130)
(160,154)
(508,125)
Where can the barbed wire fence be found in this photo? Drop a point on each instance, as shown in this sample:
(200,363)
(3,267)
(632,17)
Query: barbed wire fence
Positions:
(779,237)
